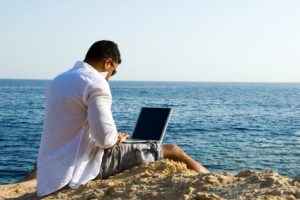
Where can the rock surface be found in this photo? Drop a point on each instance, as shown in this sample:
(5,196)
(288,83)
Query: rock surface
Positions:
(166,179)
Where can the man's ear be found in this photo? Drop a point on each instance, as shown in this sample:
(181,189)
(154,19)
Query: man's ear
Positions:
(107,63)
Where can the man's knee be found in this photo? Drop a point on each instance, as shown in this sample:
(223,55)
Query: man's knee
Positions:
(171,150)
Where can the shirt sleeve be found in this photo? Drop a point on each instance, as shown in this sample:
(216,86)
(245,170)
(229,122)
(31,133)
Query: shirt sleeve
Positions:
(100,120)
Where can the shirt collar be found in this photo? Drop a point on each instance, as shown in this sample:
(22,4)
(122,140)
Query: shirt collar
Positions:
(82,64)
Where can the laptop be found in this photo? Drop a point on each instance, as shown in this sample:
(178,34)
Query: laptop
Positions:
(151,125)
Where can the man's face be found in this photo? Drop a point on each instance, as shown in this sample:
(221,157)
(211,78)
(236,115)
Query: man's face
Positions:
(114,71)
(111,68)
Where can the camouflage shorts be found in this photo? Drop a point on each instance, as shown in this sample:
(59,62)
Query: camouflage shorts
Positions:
(127,155)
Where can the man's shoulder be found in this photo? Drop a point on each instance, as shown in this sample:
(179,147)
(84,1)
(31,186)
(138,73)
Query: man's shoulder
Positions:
(79,75)
(80,79)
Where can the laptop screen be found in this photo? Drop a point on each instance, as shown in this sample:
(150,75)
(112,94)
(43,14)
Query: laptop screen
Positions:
(152,123)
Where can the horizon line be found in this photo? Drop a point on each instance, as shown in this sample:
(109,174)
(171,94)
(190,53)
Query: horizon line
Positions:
(167,81)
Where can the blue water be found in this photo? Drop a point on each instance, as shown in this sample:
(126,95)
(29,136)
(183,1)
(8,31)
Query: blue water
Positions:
(225,126)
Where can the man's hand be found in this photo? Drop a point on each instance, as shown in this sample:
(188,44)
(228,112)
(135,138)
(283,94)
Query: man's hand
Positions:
(122,137)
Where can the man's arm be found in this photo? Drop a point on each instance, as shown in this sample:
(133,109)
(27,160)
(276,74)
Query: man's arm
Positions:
(122,137)
(99,115)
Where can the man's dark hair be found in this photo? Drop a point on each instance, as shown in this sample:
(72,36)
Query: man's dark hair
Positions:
(104,49)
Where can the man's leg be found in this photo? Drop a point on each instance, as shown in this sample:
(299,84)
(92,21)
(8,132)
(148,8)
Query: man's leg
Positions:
(173,152)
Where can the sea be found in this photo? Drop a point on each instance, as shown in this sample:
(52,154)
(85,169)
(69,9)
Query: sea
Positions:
(225,126)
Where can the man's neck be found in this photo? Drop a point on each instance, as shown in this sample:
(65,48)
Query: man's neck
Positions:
(96,65)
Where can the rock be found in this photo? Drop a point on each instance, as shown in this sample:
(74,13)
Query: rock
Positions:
(297,178)
(245,173)
(291,198)
(297,194)
(166,179)
(277,192)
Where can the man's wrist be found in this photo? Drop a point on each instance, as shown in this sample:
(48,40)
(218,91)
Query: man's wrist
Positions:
(118,140)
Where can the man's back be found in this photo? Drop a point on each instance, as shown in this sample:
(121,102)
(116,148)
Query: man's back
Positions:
(66,142)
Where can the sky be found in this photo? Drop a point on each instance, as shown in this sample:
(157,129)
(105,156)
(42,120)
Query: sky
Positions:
(171,40)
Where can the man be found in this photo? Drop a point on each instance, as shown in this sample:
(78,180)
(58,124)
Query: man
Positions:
(80,141)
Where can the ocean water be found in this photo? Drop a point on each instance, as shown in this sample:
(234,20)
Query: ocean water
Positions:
(226,126)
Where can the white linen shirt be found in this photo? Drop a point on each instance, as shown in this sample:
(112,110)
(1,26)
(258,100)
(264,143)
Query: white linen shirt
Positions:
(78,126)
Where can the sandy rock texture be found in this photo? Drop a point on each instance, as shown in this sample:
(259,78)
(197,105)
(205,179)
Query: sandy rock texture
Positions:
(166,179)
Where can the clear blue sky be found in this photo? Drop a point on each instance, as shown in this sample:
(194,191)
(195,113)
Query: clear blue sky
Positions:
(175,40)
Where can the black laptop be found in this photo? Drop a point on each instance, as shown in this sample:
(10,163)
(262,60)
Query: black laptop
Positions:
(151,125)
